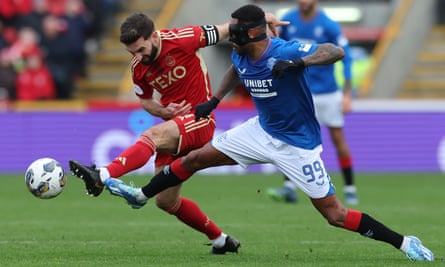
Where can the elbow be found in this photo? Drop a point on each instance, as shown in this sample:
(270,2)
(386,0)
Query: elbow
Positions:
(340,53)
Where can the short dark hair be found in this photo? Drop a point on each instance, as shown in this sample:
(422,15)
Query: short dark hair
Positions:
(136,26)
(248,13)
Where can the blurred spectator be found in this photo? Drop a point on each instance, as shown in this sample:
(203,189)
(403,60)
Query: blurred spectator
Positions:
(3,41)
(7,73)
(12,57)
(78,22)
(56,45)
(101,11)
(61,28)
(56,7)
(25,41)
(12,10)
(35,17)
(34,82)
(7,78)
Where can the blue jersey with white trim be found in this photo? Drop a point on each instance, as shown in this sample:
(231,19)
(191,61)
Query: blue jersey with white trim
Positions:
(285,106)
(320,29)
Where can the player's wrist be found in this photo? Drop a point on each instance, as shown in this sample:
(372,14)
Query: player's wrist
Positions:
(214,102)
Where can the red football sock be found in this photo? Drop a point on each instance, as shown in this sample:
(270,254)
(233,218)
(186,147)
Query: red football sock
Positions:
(132,158)
(189,213)
(353,219)
(179,170)
(345,162)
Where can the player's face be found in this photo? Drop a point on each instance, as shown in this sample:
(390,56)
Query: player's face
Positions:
(306,6)
(145,50)
(240,49)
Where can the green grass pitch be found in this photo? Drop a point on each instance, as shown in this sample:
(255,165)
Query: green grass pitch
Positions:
(76,230)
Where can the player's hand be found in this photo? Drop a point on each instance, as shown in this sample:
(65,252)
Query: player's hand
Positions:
(174,109)
(282,66)
(346,102)
(273,23)
(203,110)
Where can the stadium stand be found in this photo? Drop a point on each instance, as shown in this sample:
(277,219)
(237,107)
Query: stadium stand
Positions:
(41,36)
(105,75)
(426,78)
(109,76)
(408,61)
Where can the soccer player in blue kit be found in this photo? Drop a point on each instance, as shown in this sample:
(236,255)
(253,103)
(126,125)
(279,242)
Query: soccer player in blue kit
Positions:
(310,24)
(285,132)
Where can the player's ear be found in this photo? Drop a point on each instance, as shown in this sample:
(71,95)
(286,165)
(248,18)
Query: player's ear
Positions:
(155,37)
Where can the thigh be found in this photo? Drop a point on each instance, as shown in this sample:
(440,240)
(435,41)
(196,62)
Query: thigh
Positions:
(165,136)
(193,134)
(181,135)
(306,169)
(246,144)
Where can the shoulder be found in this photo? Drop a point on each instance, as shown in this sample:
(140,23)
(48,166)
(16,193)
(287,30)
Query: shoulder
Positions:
(137,69)
(292,49)
(179,33)
(290,14)
(322,15)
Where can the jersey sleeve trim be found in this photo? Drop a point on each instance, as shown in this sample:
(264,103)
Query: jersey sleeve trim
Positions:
(211,34)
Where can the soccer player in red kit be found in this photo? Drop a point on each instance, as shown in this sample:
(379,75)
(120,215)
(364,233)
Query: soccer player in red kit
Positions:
(168,61)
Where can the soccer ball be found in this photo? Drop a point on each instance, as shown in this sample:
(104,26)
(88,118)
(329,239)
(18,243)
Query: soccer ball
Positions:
(45,178)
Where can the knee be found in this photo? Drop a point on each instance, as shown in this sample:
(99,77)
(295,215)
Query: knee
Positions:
(192,161)
(167,202)
(147,136)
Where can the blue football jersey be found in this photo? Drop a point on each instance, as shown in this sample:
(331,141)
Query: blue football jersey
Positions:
(320,29)
(285,106)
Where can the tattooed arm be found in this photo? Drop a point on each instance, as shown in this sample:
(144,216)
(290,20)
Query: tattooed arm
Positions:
(325,54)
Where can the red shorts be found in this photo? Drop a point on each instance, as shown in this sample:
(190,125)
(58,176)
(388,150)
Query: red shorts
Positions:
(192,135)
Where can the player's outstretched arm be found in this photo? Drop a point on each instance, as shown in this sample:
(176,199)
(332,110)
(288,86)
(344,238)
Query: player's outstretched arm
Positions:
(230,81)
(325,54)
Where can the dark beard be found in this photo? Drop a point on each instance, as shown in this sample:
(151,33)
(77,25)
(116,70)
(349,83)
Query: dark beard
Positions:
(148,60)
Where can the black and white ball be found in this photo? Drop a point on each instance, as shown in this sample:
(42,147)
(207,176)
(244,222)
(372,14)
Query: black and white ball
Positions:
(45,178)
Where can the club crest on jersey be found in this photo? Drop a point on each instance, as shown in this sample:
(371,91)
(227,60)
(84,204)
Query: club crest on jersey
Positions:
(271,62)
(319,31)
(170,61)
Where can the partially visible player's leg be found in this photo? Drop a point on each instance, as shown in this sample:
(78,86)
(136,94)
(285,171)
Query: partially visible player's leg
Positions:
(287,193)
(188,212)
(345,163)
(337,215)
(321,191)
(329,112)
(163,136)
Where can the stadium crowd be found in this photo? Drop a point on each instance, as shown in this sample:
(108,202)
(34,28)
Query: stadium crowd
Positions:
(44,45)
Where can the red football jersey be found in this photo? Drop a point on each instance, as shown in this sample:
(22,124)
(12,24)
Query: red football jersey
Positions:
(179,71)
